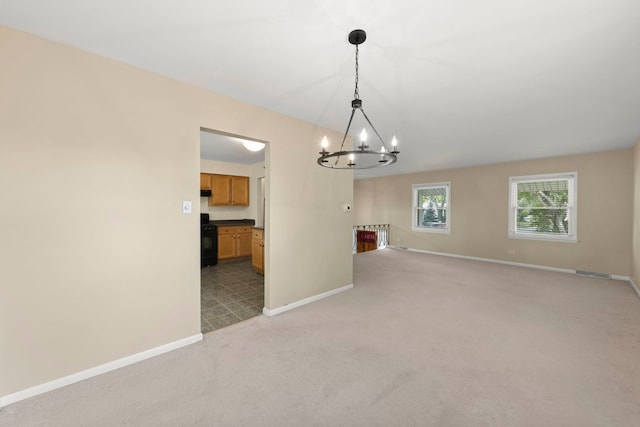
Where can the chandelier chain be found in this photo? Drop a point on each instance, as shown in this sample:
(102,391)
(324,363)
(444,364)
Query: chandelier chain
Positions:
(356,93)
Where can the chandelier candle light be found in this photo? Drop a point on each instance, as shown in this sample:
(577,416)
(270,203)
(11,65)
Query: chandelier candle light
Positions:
(362,157)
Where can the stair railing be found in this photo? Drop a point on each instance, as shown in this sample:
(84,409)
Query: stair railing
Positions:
(381,239)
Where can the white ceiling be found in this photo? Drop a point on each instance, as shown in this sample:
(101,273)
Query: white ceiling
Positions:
(459,82)
(228,149)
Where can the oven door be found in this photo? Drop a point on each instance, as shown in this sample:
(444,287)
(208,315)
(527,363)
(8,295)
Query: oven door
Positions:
(208,245)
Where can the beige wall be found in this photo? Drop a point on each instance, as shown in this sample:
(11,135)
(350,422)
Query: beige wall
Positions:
(479,205)
(635,249)
(97,261)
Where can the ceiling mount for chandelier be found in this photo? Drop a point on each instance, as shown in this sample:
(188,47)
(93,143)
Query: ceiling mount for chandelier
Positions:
(361,157)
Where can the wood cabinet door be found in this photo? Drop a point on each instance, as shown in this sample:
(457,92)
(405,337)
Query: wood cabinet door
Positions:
(226,246)
(205,181)
(240,190)
(220,190)
(244,244)
(257,255)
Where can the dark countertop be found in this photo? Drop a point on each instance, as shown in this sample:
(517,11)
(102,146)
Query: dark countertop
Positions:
(231,222)
(258,228)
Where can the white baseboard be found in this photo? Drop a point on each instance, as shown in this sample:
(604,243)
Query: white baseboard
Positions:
(98,370)
(635,287)
(616,277)
(498,261)
(291,306)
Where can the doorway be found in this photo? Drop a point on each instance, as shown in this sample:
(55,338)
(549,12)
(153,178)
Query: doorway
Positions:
(232,290)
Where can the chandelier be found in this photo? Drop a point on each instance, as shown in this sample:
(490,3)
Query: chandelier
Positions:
(361,157)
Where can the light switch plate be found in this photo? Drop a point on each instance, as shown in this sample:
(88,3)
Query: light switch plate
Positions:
(186,206)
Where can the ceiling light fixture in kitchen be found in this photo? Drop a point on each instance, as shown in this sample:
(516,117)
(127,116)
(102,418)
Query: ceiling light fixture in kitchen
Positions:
(362,157)
(253,145)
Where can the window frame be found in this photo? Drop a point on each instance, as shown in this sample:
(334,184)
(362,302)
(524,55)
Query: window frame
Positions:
(572,207)
(414,208)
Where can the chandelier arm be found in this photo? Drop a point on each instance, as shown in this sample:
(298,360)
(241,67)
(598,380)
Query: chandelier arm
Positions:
(346,132)
(374,129)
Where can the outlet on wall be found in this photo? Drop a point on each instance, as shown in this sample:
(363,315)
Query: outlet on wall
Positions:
(511,251)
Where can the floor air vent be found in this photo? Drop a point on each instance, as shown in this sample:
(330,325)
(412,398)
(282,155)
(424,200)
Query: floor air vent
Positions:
(593,274)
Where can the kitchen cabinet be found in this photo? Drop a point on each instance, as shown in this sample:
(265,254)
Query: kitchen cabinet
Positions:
(205,181)
(240,190)
(229,190)
(257,250)
(234,242)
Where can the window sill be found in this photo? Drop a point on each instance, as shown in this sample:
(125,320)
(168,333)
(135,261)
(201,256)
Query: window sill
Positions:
(432,230)
(543,237)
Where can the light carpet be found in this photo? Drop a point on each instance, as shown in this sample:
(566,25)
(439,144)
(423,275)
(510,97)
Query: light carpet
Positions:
(421,340)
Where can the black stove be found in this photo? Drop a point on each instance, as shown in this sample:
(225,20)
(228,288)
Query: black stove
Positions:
(208,242)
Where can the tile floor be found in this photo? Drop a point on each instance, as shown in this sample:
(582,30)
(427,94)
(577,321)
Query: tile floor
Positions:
(229,293)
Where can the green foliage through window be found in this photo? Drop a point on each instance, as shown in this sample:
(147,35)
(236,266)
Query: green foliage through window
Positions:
(431,206)
(543,206)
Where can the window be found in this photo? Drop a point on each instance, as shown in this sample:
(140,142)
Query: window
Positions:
(431,207)
(543,207)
